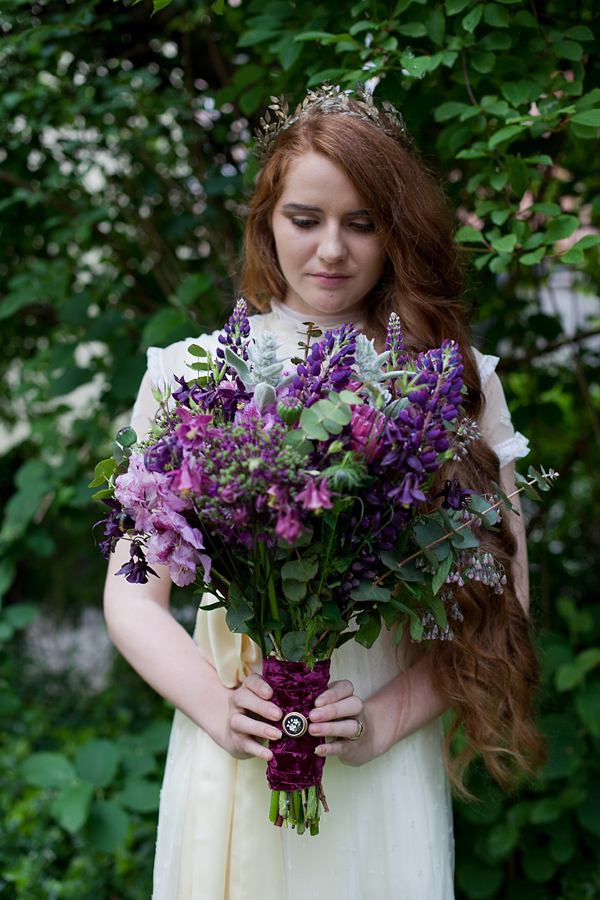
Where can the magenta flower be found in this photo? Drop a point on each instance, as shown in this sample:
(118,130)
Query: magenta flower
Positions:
(366,426)
(315,496)
(192,432)
(289,526)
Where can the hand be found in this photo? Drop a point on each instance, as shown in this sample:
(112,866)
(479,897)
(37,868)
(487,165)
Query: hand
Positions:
(335,717)
(250,712)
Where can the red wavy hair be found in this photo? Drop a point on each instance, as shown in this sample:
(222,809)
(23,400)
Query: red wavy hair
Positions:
(489,672)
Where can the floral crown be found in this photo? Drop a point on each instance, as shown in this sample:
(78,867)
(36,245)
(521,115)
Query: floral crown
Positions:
(328,99)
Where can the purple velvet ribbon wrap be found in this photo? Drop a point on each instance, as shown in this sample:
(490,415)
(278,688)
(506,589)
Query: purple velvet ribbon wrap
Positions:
(294,765)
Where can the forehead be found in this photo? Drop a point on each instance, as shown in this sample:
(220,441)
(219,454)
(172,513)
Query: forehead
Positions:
(314,179)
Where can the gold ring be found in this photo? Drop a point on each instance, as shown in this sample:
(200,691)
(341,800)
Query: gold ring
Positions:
(361,728)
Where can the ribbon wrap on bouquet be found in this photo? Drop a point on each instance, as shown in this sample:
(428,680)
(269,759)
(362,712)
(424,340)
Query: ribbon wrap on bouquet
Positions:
(294,765)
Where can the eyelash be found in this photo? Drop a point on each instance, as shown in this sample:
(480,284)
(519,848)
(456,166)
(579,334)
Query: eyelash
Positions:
(364,227)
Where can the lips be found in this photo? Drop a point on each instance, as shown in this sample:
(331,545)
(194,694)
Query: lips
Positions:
(330,279)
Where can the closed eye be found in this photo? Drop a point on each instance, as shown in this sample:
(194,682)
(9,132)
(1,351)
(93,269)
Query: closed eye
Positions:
(362,226)
(303,223)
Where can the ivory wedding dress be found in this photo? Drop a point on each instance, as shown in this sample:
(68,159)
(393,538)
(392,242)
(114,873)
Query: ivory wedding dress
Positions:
(388,835)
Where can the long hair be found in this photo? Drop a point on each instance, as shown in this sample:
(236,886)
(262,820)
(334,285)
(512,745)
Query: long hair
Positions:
(489,671)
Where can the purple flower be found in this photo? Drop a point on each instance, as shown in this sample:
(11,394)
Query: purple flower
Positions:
(136,571)
(455,497)
(191,434)
(315,497)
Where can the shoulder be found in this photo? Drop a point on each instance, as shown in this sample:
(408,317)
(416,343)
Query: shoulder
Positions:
(486,365)
(166,362)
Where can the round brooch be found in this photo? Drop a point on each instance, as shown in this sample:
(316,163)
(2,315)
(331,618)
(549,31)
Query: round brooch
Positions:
(294,724)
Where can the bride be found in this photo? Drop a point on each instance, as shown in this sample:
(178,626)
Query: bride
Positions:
(345,225)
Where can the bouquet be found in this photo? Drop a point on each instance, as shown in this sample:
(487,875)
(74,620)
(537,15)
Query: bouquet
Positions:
(308,497)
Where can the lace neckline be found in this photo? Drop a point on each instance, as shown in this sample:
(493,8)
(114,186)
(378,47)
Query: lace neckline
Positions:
(292,317)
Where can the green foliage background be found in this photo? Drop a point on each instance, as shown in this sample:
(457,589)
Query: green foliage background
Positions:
(122,175)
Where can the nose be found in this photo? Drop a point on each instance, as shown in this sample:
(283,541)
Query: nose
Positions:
(332,247)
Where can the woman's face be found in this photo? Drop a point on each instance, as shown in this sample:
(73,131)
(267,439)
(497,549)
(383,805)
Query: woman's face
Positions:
(329,252)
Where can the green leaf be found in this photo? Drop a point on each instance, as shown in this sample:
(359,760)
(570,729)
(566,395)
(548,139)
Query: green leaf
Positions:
(468,234)
(71,806)
(428,534)
(140,795)
(368,633)
(439,578)
(477,880)
(367,591)
(412,29)
(587,241)
(516,92)
(508,133)
(298,440)
(580,33)
(568,50)
(587,704)
(300,569)
(293,646)
(20,615)
(473,18)
(505,244)
(96,761)
(49,770)
(587,117)
(415,628)
(561,227)
(455,6)
(294,591)
(415,66)
(496,16)
(537,865)
(548,209)
(237,616)
(102,472)
(436,26)
(449,110)
(532,259)
(312,425)
(107,826)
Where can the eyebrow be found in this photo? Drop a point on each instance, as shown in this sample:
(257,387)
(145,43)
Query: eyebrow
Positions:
(302,207)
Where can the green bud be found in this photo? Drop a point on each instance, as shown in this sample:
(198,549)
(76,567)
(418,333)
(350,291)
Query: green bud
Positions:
(289,410)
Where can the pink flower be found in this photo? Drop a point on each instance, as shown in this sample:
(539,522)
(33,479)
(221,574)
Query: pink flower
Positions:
(288,525)
(366,426)
(315,497)
(192,433)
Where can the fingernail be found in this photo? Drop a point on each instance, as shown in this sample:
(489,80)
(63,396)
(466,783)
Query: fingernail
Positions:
(265,692)
(273,734)
(316,729)
(321,751)
(316,715)
(274,713)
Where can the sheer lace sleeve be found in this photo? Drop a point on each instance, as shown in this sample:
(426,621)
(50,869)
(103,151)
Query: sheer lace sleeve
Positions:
(495,422)
(163,365)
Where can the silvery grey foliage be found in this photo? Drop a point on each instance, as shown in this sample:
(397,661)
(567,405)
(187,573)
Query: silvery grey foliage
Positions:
(262,354)
(264,396)
(369,365)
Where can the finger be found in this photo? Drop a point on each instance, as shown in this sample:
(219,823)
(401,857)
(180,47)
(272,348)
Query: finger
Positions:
(341,728)
(245,700)
(337,690)
(258,686)
(244,725)
(343,709)
(333,748)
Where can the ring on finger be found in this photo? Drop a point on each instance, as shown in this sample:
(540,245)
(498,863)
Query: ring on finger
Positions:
(358,734)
